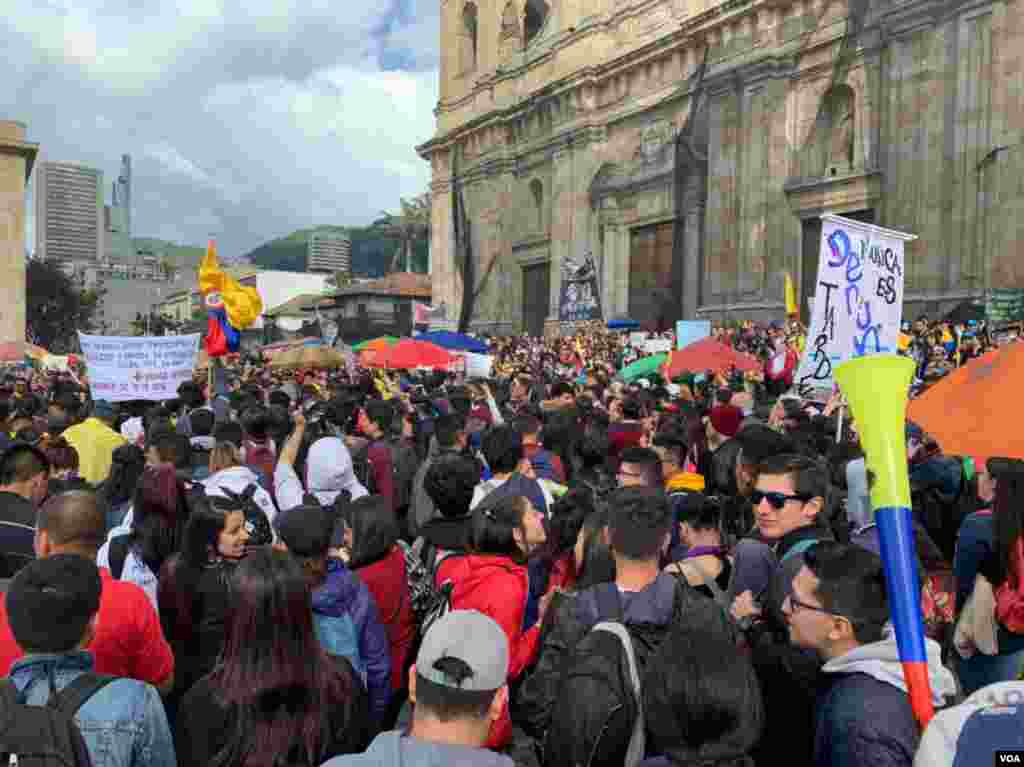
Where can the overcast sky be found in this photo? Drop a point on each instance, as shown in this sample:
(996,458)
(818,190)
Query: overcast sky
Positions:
(245,119)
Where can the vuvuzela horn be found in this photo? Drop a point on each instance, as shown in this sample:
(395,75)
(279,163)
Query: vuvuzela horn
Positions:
(876,388)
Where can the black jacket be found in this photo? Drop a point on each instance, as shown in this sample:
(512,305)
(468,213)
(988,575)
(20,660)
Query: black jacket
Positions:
(665,601)
(205,724)
(17,533)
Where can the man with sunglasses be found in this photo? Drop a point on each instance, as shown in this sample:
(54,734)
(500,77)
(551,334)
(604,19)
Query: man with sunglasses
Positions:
(838,609)
(789,500)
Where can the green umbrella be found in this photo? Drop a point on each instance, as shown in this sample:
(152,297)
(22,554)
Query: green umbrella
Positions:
(389,340)
(643,367)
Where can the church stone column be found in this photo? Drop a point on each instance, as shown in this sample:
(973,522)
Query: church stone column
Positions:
(693,226)
(16,159)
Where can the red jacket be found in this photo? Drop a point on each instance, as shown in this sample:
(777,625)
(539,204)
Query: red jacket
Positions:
(497,587)
(386,581)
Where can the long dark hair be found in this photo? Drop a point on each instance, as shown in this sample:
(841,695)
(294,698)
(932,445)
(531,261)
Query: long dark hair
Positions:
(1008,525)
(493,525)
(598,564)
(567,517)
(179,580)
(128,464)
(273,669)
(160,513)
(373,525)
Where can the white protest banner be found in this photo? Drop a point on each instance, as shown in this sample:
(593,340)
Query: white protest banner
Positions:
(478,365)
(858,300)
(138,367)
(636,340)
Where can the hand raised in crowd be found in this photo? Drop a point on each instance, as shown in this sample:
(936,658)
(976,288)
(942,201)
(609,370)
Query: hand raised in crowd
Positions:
(745,606)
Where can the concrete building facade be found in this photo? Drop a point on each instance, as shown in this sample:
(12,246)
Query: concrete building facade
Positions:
(560,119)
(70,220)
(17,157)
(329,253)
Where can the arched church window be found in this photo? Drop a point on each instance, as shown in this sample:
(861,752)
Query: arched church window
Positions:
(535,15)
(469,37)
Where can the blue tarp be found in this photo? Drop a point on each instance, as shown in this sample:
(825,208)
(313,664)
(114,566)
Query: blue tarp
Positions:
(456,342)
(623,325)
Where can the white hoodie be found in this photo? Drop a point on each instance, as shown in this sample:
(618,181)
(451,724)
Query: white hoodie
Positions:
(237,479)
(881,660)
(939,742)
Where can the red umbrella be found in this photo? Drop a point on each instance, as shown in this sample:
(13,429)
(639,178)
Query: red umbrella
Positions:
(409,354)
(705,355)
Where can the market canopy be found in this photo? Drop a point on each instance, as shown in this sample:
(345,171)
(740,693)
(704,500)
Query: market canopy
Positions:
(643,367)
(377,344)
(970,411)
(708,355)
(309,357)
(456,342)
(410,354)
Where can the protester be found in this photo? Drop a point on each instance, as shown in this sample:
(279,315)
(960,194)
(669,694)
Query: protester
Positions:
(449,437)
(95,440)
(24,482)
(493,579)
(275,697)
(639,528)
(194,589)
(128,640)
(838,608)
(458,684)
(52,607)
(511,472)
(116,491)
(158,518)
(369,534)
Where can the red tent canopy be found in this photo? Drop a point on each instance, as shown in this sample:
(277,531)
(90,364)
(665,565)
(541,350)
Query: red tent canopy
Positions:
(708,354)
(409,354)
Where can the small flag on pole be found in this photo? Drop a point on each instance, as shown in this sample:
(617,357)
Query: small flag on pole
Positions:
(792,308)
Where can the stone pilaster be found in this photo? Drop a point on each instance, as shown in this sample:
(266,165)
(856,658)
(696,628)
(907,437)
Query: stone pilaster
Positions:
(16,159)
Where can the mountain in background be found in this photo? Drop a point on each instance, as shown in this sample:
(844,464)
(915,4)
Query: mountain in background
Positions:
(371,251)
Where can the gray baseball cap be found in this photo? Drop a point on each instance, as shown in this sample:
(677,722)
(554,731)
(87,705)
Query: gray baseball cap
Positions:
(476,640)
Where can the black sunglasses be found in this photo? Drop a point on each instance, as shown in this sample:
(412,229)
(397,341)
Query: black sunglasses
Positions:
(776,500)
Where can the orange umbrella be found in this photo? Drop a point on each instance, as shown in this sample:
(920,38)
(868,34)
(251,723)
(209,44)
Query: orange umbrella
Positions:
(704,355)
(975,410)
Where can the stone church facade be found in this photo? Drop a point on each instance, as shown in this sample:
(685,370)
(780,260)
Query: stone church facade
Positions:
(559,119)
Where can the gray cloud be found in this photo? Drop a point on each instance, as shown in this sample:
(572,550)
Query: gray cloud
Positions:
(245,120)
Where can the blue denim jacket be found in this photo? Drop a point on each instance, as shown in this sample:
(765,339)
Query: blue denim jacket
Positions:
(124,724)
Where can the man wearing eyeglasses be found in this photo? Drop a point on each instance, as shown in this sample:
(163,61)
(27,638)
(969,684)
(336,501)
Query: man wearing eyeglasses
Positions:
(838,609)
(789,500)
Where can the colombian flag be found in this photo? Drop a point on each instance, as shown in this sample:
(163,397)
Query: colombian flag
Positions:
(231,307)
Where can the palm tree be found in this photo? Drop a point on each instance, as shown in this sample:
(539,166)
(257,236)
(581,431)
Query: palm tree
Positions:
(408,227)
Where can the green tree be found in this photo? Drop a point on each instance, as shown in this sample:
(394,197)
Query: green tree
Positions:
(56,307)
(409,227)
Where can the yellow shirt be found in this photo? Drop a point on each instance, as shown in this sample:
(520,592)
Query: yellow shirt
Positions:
(95,443)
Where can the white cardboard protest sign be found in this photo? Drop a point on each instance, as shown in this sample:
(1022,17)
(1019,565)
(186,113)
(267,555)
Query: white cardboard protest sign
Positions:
(858,299)
(657,345)
(478,365)
(138,367)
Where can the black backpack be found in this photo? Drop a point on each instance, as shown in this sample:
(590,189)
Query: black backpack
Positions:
(598,708)
(46,736)
(256,522)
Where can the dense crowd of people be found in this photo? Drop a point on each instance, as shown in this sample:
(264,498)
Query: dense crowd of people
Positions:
(548,567)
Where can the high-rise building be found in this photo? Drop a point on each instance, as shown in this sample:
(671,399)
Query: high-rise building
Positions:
(329,252)
(69,212)
(123,193)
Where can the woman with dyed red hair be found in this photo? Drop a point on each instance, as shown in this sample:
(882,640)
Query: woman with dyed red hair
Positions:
(276,697)
(159,514)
